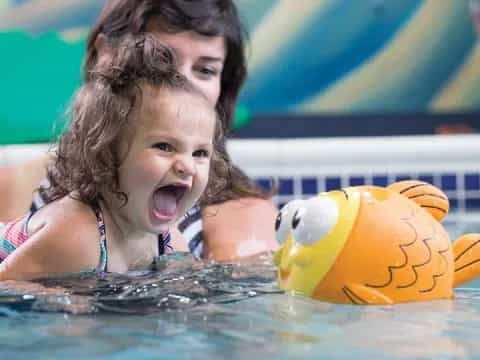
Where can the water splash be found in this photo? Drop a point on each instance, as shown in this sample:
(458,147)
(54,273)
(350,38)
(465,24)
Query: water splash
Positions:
(178,281)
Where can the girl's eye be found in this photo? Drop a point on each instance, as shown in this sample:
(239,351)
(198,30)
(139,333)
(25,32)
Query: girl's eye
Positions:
(201,153)
(163,146)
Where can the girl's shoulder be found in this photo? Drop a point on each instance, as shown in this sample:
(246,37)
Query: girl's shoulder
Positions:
(63,238)
(65,216)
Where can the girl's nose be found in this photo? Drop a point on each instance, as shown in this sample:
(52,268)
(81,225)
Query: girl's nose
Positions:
(184,166)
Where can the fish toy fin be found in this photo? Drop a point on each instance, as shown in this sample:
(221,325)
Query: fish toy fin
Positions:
(466,251)
(427,196)
(363,295)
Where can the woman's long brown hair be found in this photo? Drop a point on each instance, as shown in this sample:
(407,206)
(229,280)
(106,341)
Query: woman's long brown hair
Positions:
(206,17)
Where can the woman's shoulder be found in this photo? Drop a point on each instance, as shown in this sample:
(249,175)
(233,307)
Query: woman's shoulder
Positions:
(247,206)
(239,228)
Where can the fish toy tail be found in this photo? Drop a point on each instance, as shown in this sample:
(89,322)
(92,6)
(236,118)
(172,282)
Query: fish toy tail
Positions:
(466,251)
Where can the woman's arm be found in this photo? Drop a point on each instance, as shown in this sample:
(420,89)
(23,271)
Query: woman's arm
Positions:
(239,228)
(17,184)
(178,241)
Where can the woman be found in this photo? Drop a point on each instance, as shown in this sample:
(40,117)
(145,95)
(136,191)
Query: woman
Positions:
(208,40)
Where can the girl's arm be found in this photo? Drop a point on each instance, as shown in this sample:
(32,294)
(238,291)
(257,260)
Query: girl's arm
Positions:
(239,228)
(64,241)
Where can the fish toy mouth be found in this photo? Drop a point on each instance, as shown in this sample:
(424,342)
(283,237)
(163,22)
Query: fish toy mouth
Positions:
(284,276)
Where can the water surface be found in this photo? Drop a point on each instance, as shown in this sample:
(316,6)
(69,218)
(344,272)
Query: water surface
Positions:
(194,310)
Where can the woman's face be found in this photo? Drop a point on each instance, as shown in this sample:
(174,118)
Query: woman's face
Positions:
(200,58)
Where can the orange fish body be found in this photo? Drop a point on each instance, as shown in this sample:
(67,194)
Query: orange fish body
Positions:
(373,245)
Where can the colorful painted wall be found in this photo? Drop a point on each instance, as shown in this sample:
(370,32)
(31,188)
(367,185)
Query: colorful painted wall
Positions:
(305,56)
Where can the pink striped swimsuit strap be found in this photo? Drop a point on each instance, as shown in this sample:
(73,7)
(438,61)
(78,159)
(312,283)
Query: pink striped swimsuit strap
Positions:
(12,235)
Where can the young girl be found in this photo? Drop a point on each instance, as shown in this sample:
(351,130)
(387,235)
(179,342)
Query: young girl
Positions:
(208,39)
(135,158)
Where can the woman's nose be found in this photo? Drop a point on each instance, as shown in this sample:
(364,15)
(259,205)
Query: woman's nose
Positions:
(186,70)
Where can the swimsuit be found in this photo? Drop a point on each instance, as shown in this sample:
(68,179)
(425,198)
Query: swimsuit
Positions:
(192,231)
(190,226)
(14,234)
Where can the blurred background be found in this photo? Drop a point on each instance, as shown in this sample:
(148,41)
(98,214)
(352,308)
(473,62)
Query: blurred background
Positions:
(316,67)
(336,89)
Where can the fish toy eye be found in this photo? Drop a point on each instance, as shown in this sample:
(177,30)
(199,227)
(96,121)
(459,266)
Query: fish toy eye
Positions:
(284,220)
(316,219)
(296,218)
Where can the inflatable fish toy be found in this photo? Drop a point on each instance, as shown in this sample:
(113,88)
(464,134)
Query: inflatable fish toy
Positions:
(373,245)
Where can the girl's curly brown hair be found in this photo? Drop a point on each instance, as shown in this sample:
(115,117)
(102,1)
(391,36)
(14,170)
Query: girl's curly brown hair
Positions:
(103,111)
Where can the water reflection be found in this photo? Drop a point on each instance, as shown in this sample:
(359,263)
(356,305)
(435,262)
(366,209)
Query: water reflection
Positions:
(437,329)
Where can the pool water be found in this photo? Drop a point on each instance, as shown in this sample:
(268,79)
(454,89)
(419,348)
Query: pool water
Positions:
(195,310)
(273,326)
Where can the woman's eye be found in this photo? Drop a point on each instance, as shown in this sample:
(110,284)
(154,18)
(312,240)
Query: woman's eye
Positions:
(208,72)
(163,146)
(201,153)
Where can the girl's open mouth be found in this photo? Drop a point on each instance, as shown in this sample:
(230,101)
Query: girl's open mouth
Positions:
(166,199)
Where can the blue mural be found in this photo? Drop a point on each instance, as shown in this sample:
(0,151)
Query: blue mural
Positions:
(309,56)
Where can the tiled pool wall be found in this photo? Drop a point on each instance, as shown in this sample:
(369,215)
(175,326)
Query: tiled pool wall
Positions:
(462,189)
